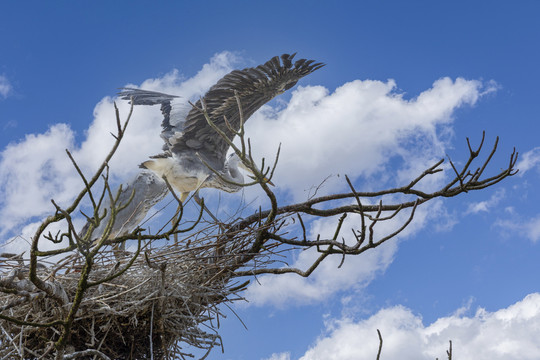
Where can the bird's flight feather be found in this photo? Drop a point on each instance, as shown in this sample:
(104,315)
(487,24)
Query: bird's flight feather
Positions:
(254,87)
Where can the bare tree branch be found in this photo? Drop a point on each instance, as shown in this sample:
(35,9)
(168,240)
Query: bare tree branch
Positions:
(380,345)
(108,303)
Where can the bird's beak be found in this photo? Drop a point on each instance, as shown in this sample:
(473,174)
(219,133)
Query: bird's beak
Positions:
(265,180)
(268,182)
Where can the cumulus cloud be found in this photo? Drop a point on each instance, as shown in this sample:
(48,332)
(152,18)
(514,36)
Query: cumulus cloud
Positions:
(356,130)
(523,225)
(32,171)
(5,86)
(355,273)
(528,161)
(37,169)
(487,205)
(506,334)
(280,356)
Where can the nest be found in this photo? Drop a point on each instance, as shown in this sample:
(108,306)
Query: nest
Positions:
(169,294)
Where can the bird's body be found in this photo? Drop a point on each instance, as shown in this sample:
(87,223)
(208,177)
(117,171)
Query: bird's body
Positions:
(195,154)
(183,173)
(187,174)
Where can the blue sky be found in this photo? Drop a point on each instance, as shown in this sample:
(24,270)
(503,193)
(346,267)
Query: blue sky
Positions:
(441,72)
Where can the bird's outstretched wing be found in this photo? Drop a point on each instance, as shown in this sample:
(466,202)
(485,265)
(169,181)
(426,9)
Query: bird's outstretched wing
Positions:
(147,190)
(172,120)
(254,86)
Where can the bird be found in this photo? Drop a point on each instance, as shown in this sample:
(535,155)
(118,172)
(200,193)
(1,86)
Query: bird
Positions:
(195,154)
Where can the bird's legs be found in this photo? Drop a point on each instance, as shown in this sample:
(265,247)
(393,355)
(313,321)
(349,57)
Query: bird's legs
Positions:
(201,203)
(184,196)
(219,242)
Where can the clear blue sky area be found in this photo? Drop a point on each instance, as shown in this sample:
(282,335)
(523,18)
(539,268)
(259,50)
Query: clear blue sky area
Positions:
(59,59)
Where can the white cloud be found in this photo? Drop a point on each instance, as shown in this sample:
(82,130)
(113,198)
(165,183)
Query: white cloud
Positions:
(37,169)
(5,86)
(529,160)
(32,172)
(357,130)
(506,334)
(355,273)
(292,290)
(487,205)
(532,229)
(279,356)
(526,226)
(21,243)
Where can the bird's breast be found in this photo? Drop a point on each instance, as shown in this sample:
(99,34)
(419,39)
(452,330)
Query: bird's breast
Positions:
(181,177)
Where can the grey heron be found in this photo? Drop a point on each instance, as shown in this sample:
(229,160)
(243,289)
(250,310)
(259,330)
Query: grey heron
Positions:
(192,146)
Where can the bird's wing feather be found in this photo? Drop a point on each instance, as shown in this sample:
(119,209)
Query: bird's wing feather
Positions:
(254,86)
(172,120)
(148,189)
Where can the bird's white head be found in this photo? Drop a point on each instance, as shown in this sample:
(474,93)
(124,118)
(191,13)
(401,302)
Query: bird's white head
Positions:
(233,164)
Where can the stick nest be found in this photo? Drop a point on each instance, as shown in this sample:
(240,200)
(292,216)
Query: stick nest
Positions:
(169,294)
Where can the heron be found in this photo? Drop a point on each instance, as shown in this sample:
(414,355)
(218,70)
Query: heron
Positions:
(194,153)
